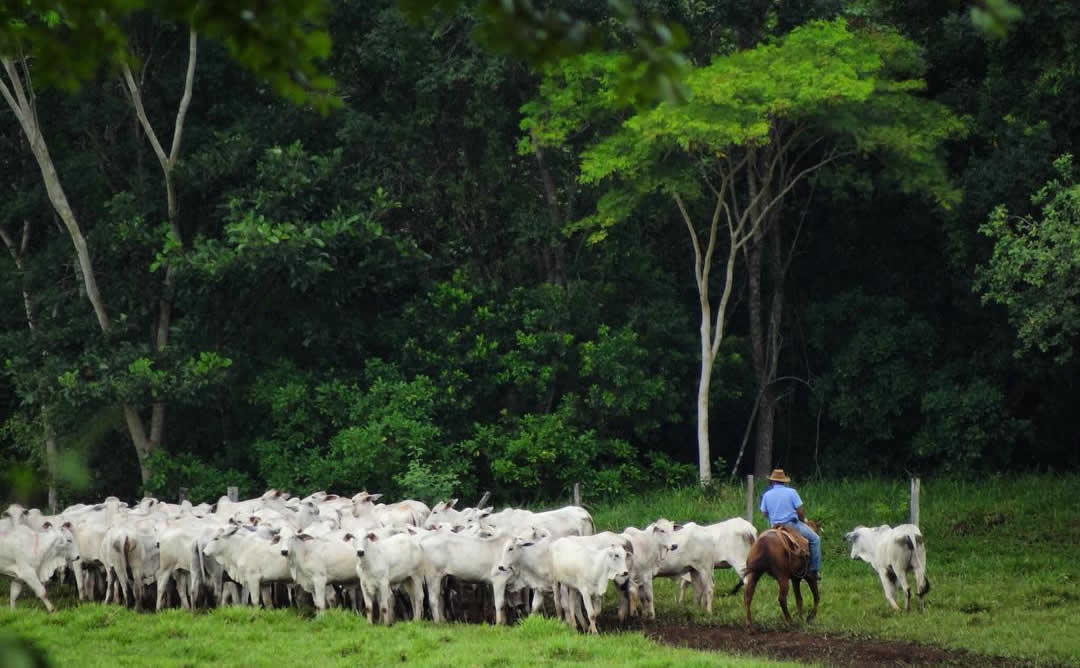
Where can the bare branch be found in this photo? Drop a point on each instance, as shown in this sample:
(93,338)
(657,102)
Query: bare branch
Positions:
(140,111)
(693,240)
(185,101)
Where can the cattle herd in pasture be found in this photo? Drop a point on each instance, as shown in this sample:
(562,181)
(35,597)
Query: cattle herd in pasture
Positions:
(388,560)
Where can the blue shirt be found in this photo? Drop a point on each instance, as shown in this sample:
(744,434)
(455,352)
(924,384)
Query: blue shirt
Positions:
(779,503)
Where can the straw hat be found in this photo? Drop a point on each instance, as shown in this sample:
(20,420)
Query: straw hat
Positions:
(778,475)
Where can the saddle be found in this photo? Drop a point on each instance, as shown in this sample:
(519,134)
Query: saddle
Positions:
(797,546)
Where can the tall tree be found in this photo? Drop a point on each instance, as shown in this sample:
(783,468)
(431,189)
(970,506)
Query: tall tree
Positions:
(759,123)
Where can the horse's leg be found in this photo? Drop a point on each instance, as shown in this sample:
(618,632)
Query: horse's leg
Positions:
(748,594)
(890,588)
(813,584)
(782,580)
(798,596)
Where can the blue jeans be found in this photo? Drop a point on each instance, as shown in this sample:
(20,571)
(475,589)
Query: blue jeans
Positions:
(815,543)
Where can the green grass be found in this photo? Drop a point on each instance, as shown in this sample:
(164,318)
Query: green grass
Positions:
(1001,552)
(1002,562)
(107,636)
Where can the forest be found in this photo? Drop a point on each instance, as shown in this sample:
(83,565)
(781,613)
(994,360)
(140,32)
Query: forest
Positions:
(426,256)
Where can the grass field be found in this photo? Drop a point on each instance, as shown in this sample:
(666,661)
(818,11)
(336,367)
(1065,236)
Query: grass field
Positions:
(106,636)
(1001,552)
(1001,555)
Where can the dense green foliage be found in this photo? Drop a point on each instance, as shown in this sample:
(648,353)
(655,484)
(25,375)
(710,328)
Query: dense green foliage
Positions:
(399,293)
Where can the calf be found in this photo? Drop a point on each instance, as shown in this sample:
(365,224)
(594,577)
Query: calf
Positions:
(892,552)
(31,557)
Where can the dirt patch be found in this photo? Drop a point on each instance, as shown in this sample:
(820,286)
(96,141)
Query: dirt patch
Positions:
(825,648)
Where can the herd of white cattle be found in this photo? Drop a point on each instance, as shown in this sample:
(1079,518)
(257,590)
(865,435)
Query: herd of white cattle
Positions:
(357,553)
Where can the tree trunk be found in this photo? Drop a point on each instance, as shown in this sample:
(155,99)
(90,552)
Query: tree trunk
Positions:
(22,103)
(704,384)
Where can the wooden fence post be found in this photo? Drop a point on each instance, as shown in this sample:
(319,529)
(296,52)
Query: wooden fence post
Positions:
(577,493)
(483,499)
(914,505)
(234,494)
(750,498)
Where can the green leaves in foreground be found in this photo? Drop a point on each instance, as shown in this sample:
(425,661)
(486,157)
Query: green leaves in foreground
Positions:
(284,42)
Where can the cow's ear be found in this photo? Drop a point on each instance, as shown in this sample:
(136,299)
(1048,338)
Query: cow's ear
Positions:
(372,537)
(457,529)
(452,503)
(304,537)
(677,527)
(438,507)
(411,530)
(374,497)
(275,540)
(528,544)
(331,497)
(46,525)
(67,525)
(348,537)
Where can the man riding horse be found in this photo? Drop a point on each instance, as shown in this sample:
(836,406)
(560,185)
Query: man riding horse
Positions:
(782,506)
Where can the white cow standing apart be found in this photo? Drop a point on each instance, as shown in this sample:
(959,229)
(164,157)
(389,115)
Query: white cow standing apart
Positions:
(31,557)
(892,552)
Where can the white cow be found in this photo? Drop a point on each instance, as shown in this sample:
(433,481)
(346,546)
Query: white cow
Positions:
(566,521)
(251,559)
(387,559)
(129,547)
(318,562)
(31,557)
(579,566)
(696,550)
(649,552)
(400,514)
(468,558)
(892,552)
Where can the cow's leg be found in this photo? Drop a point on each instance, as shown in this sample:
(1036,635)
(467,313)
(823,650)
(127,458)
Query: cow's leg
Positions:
(684,582)
(901,579)
(15,588)
(30,578)
(587,601)
(182,587)
(709,584)
(783,582)
(498,593)
(162,586)
(889,587)
(648,602)
(318,594)
(416,593)
(386,601)
(434,585)
(626,604)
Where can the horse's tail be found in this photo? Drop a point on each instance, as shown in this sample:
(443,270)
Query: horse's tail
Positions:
(917,544)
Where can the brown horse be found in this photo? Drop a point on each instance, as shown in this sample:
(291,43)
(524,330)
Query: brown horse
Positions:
(770,554)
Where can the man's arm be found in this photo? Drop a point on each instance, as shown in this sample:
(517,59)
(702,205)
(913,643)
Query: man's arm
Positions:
(801,514)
